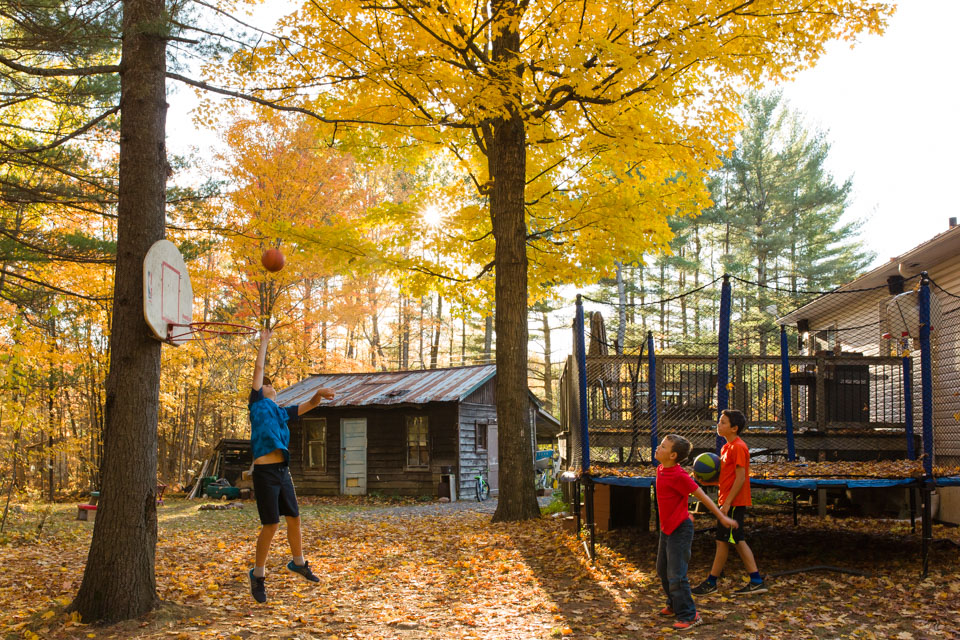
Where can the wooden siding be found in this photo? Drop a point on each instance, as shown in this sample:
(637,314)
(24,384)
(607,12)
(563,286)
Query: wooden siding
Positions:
(472,461)
(486,394)
(386,450)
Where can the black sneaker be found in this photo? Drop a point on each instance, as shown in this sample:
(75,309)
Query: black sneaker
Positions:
(303,571)
(257,588)
(751,587)
(704,588)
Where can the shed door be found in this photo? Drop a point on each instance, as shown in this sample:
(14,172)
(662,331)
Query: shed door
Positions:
(493,458)
(353,456)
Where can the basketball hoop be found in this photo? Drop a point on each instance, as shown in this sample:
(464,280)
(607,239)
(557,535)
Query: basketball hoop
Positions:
(202,330)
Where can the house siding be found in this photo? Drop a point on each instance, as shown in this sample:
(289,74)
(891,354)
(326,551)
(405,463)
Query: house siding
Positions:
(865,308)
(472,460)
(946,363)
(387,472)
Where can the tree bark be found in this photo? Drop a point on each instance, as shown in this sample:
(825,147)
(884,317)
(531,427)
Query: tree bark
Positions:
(118,581)
(487,339)
(507,162)
(622,310)
(547,364)
(437,326)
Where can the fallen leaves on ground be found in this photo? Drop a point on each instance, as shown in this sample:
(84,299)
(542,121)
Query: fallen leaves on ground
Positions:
(403,573)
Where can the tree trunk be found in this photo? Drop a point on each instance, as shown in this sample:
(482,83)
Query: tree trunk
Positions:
(507,162)
(437,325)
(547,365)
(622,316)
(404,334)
(487,339)
(118,581)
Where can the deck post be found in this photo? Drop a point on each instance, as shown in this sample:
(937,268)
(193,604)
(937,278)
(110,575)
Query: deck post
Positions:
(908,406)
(926,491)
(821,395)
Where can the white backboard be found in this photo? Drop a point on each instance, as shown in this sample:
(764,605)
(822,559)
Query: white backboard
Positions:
(167,294)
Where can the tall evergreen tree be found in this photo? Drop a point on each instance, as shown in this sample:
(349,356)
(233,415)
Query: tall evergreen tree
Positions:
(784,209)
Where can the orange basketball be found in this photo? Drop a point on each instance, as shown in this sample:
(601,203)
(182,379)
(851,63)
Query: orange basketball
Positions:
(272,260)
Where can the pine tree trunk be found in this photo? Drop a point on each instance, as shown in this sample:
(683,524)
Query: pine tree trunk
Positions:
(622,316)
(435,348)
(118,581)
(487,339)
(547,365)
(507,161)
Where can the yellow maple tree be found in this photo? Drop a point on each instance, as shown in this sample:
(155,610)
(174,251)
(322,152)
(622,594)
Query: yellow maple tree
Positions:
(581,125)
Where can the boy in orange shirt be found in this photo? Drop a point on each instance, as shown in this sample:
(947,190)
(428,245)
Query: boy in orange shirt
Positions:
(733,498)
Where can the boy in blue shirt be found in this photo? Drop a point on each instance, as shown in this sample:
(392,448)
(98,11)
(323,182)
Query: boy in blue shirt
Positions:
(270,441)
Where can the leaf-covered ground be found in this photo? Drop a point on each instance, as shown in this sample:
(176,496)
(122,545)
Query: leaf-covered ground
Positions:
(444,571)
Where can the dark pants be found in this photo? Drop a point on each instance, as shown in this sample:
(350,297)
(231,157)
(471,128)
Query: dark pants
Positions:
(673,555)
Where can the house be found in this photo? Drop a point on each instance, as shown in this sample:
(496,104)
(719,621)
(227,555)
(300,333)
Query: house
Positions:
(428,432)
(871,303)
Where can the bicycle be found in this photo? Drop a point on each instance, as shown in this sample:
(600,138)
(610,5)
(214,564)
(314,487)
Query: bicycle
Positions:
(482,487)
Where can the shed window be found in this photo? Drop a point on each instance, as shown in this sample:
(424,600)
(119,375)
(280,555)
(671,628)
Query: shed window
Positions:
(418,437)
(481,441)
(315,451)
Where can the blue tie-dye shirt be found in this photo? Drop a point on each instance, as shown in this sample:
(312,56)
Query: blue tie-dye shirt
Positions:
(268,425)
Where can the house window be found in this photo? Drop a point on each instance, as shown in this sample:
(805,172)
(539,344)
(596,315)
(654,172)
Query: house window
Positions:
(418,436)
(315,450)
(481,441)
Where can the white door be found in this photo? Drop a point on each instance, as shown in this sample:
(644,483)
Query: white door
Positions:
(353,456)
(493,459)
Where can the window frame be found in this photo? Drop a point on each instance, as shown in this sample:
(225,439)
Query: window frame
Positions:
(481,426)
(305,456)
(423,458)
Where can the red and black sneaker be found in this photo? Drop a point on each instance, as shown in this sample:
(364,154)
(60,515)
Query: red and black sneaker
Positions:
(667,611)
(686,625)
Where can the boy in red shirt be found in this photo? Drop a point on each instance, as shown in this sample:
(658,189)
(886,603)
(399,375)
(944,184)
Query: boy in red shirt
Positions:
(734,498)
(674,486)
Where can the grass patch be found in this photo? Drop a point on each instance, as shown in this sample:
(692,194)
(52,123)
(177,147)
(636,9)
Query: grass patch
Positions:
(557,505)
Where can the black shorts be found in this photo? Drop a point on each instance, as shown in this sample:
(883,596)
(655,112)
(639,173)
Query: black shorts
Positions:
(723,533)
(273,487)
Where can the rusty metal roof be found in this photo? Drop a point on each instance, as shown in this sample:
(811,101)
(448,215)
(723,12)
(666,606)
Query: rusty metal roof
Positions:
(391,387)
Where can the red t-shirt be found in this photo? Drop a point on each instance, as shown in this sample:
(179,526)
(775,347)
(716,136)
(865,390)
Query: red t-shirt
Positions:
(732,455)
(674,486)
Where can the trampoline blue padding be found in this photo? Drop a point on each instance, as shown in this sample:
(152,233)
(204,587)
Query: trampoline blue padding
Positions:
(642,482)
(827,483)
(809,484)
(846,483)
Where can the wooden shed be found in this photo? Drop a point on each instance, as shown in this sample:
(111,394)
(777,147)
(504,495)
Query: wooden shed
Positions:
(401,432)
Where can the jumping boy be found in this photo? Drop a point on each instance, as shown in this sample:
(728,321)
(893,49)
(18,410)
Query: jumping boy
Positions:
(270,440)
(674,486)
(734,498)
